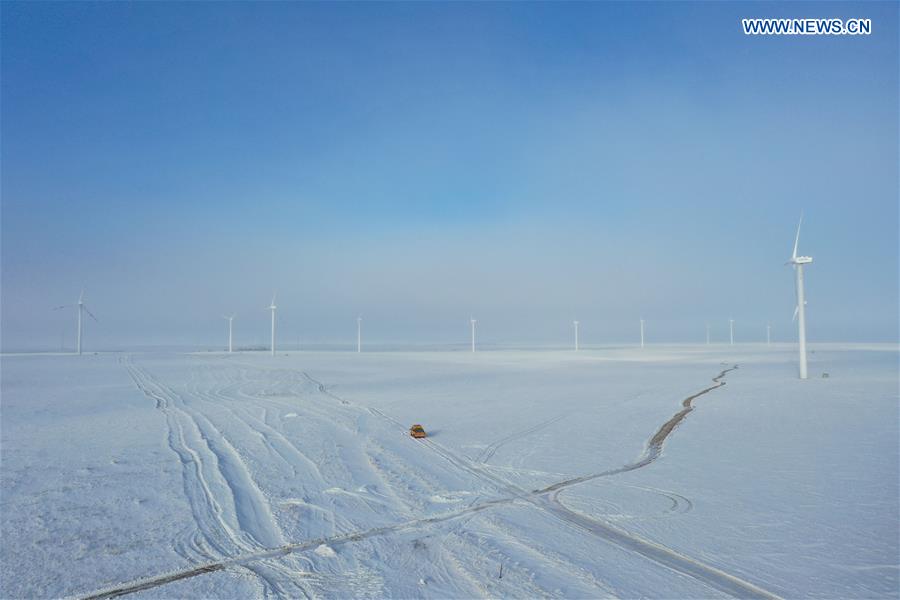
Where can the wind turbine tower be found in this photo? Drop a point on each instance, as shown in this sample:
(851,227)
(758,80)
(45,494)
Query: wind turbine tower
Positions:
(800,310)
(80,317)
(230,338)
(80,311)
(576,335)
(731,330)
(473,321)
(272,307)
(642,333)
(359,333)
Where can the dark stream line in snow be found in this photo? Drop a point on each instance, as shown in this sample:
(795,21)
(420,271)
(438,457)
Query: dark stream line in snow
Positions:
(654,446)
(544,498)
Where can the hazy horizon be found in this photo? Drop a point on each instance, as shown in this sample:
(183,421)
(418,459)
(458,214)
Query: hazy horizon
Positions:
(525,164)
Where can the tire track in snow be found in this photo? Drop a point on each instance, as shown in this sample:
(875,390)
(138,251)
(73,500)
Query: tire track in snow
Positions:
(711,576)
(253,508)
(678,505)
(275,441)
(206,510)
(545,498)
(492,448)
(207,464)
(254,518)
(288,387)
(366,469)
(548,499)
(250,558)
(241,407)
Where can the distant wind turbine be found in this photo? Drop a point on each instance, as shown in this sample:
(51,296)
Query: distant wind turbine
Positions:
(800,310)
(272,307)
(731,330)
(80,316)
(642,332)
(230,320)
(576,335)
(473,321)
(359,333)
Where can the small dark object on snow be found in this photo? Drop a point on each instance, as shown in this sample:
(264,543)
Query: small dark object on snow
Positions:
(417,431)
(825,375)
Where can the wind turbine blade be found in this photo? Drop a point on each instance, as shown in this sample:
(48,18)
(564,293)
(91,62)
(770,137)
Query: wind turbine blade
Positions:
(63,306)
(90,313)
(797,239)
(273,298)
(81,297)
(796,312)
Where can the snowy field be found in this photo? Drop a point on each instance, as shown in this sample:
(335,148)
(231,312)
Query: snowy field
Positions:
(613,472)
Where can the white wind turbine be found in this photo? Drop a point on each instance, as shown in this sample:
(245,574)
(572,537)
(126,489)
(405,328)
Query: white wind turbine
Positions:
(272,307)
(473,321)
(229,319)
(81,309)
(359,333)
(576,335)
(731,330)
(642,332)
(800,310)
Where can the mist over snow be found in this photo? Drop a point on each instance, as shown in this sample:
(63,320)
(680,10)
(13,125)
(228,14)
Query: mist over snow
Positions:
(418,164)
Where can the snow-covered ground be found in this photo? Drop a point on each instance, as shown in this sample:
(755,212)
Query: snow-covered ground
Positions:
(546,473)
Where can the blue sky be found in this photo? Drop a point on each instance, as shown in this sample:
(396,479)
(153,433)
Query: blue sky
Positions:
(420,162)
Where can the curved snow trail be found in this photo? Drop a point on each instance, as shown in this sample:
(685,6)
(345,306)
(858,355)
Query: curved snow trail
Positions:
(492,448)
(654,446)
(545,499)
(249,414)
(207,511)
(679,505)
(231,514)
(711,576)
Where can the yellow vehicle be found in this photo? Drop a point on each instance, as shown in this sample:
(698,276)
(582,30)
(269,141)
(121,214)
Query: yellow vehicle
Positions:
(417,431)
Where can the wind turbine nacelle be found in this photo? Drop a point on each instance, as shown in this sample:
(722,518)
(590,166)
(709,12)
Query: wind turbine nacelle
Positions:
(802,260)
